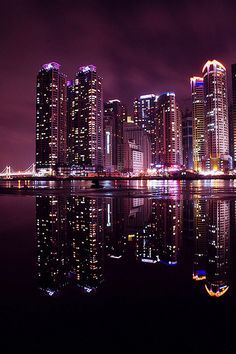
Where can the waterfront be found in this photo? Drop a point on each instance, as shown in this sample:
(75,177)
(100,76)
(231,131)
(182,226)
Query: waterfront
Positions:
(135,266)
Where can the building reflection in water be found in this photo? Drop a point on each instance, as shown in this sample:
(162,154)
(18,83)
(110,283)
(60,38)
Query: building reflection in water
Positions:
(218,247)
(200,239)
(52,244)
(85,225)
(212,245)
(160,239)
(76,235)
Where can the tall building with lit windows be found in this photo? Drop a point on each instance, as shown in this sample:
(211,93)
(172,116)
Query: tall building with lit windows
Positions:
(86,117)
(145,117)
(51,131)
(216,116)
(169,150)
(187,133)
(233,123)
(198,122)
(114,116)
(135,135)
(72,125)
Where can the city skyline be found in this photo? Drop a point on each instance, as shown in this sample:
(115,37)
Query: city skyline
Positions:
(146,114)
(118,176)
(158,50)
(78,134)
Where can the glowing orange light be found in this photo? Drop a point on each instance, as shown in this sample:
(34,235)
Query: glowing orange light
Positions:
(217,293)
(199,277)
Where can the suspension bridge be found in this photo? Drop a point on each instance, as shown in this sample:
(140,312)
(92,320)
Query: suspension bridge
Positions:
(8,172)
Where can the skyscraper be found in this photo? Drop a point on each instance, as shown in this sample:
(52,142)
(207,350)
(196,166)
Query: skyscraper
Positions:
(137,135)
(86,118)
(114,116)
(233,68)
(168,132)
(199,126)
(50,119)
(216,116)
(145,117)
(72,127)
(187,132)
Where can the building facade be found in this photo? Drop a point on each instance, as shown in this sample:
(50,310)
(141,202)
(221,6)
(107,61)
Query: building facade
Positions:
(114,117)
(187,132)
(198,121)
(233,117)
(145,118)
(169,150)
(51,131)
(133,132)
(216,116)
(86,135)
(133,161)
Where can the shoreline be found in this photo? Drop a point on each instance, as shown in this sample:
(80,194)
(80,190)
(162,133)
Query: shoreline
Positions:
(111,178)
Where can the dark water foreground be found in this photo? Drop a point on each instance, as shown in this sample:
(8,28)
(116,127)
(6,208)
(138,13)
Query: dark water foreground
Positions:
(144,268)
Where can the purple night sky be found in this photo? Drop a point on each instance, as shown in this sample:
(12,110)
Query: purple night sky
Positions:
(140,47)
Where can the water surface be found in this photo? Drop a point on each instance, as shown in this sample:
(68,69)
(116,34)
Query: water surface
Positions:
(133,266)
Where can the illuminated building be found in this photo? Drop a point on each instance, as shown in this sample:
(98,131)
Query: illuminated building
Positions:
(86,228)
(187,140)
(50,119)
(169,150)
(217,272)
(200,239)
(145,118)
(231,133)
(216,117)
(52,244)
(72,126)
(133,161)
(233,121)
(199,126)
(87,135)
(132,132)
(114,116)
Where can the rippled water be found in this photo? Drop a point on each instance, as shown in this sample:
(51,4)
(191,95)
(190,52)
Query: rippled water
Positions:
(133,266)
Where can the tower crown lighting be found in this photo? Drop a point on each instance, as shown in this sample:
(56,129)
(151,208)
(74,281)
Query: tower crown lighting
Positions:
(87,68)
(52,65)
(215,63)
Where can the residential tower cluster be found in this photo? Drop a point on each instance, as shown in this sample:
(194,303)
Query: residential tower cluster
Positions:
(77,133)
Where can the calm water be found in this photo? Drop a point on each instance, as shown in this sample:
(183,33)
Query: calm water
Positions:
(138,267)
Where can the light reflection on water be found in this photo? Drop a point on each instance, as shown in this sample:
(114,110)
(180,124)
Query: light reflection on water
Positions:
(82,232)
(78,235)
(161,188)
